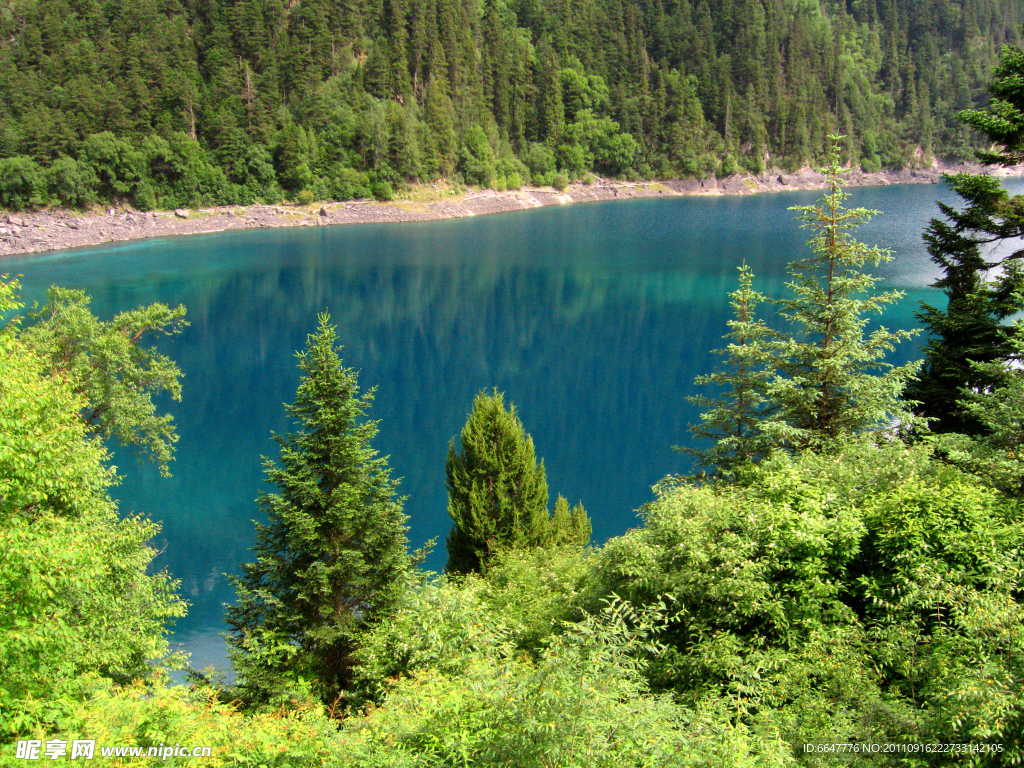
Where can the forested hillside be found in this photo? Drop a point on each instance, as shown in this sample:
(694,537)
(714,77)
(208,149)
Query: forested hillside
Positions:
(184,102)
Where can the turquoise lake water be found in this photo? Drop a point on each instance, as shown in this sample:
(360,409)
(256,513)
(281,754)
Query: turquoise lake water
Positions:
(593,319)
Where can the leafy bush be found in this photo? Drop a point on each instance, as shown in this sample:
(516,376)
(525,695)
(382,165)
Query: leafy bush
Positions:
(76,595)
(842,596)
(72,183)
(117,164)
(540,160)
(382,191)
(583,703)
(22,184)
(153,713)
(536,591)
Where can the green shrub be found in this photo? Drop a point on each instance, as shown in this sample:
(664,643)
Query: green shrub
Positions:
(582,703)
(74,585)
(560,181)
(727,167)
(117,164)
(846,597)
(304,197)
(22,184)
(382,191)
(536,591)
(72,183)
(155,714)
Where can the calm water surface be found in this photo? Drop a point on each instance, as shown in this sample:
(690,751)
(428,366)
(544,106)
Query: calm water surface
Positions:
(593,319)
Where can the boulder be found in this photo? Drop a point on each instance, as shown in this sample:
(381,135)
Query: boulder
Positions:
(16,220)
(323,211)
(181,213)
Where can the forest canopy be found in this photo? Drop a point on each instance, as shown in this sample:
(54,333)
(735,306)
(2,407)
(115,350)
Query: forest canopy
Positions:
(169,103)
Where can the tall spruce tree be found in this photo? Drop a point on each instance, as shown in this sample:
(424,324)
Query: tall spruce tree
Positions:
(498,493)
(997,453)
(984,286)
(333,554)
(832,380)
(733,420)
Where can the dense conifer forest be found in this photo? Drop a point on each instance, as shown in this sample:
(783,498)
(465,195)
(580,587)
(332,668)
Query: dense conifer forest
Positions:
(165,103)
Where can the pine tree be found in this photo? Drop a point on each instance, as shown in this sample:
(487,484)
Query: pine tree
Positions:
(734,419)
(826,388)
(498,493)
(333,555)
(971,329)
(997,452)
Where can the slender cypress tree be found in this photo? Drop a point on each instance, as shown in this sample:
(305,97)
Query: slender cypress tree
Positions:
(333,554)
(569,527)
(734,419)
(827,387)
(498,493)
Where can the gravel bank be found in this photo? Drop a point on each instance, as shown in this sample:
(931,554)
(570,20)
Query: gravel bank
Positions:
(59,229)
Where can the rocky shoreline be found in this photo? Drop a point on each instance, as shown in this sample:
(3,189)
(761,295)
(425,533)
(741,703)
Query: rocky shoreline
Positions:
(60,229)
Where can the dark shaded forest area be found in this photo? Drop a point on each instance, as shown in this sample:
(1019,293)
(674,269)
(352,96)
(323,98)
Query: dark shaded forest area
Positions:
(187,102)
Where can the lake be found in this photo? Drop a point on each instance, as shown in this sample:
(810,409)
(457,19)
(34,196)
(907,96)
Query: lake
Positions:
(593,319)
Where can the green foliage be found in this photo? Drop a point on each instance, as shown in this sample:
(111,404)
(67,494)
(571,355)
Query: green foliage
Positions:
(867,595)
(583,702)
(332,557)
(105,363)
(22,184)
(971,333)
(997,453)
(536,591)
(973,326)
(152,713)
(72,184)
(118,165)
(826,388)
(1002,121)
(734,420)
(498,494)
(75,596)
(255,98)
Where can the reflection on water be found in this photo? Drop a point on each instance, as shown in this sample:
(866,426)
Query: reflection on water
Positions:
(594,319)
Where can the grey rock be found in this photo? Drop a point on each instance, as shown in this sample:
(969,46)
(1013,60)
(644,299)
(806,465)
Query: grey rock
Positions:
(323,211)
(783,180)
(16,220)
(181,213)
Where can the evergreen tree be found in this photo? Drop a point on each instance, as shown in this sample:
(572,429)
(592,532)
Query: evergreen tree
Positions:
(734,420)
(971,329)
(997,452)
(498,493)
(569,527)
(826,388)
(332,557)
